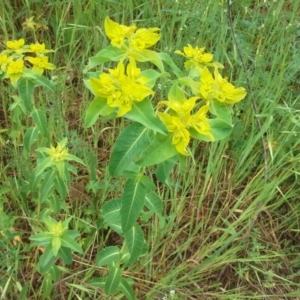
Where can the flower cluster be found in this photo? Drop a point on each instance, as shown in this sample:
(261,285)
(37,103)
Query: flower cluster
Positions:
(208,88)
(121,89)
(133,41)
(196,105)
(180,121)
(18,57)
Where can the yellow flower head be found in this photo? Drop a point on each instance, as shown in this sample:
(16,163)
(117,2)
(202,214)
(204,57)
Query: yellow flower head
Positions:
(16,44)
(40,63)
(144,38)
(227,92)
(116,32)
(181,135)
(14,71)
(39,48)
(197,58)
(121,89)
(199,122)
(58,153)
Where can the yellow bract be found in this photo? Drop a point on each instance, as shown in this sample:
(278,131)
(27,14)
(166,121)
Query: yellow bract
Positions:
(121,89)
(40,63)
(58,153)
(116,32)
(16,44)
(130,39)
(181,121)
(14,71)
(218,88)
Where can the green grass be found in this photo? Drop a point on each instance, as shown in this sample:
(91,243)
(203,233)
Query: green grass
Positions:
(232,226)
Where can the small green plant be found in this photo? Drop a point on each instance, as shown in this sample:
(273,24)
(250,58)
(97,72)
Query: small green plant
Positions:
(197,107)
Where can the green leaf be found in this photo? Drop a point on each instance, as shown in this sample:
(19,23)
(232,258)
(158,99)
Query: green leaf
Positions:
(113,280)
(110,53)
(98,282)
(47,186)
(47,285)
(111,214)
(133,199)
(164,169)
(142,112)
(169,61)
(30,137)
(153,202)
(56,244)
(45,163)
(47,260)
(130,143)
(40,120)
(108,255)
(61,187)
(221,110)
(148,55)
(126,289)
(219,129)
(66,255)
(69,242)
(25,88)
(96,108)
(147,182)
(41,239)
(158,151)
(134,239)
(176,93)
(152,76)
(39,79)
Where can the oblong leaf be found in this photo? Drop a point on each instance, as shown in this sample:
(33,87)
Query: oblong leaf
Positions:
(30,137)
(25,88)
(126,289)
(130,144)
(133,199)
(142,112)
(40,120)
(153,202)
(134,239)
(159,150)
(96,108)
(108,255)
(111,214)
(163,169)
(113,280)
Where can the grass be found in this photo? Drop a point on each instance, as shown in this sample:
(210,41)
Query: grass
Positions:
(232,226)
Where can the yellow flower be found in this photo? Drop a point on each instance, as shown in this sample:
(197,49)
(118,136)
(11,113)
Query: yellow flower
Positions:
(58,153)
(134,73)
(226,91)
(199,121)
(16,44)
(121,89)
(208,87)
(131,92)
(182,109)
(103,86)
(39,48)
(181,135)
(14,71)
(40,63)
(198,59)
(144,38)
(116,32)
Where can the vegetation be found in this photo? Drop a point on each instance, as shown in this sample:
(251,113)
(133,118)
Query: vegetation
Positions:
(229,225)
